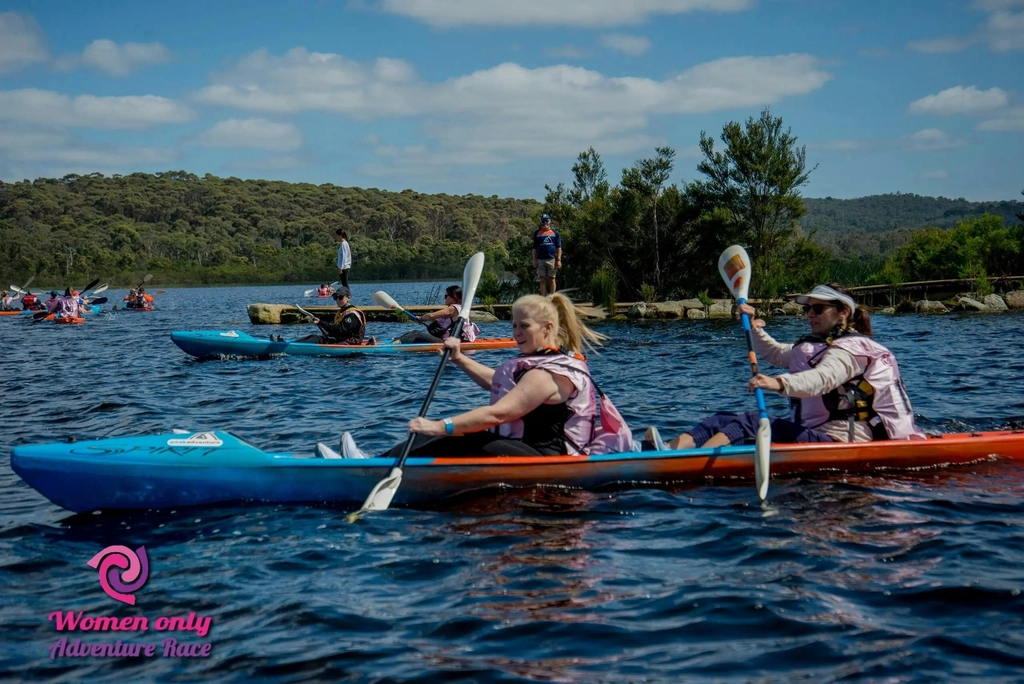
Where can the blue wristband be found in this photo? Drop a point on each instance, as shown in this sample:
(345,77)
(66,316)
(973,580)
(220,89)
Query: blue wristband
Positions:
(449,427)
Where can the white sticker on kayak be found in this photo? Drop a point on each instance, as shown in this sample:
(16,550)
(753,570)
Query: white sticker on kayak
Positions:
(229,333)
(207,439)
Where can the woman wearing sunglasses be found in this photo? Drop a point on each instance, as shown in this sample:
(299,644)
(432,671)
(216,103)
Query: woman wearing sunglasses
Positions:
(842,385)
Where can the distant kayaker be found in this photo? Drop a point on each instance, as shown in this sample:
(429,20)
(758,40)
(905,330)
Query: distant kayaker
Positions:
(324,290)
(30,302)
(142,300)
(6,301)
(543,402)
(68,305)
(51,303)
(442,321)
(843,386)
(348,325)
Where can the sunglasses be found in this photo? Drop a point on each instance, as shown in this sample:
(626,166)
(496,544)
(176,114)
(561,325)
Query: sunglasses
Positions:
(818,309)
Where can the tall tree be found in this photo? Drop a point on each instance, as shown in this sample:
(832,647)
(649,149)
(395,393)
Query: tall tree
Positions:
(1019,216)
(758,175)
(647,178)
(591,178)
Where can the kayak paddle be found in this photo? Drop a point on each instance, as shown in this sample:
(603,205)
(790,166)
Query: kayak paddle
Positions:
(385,300)
(734,266)
(380,496)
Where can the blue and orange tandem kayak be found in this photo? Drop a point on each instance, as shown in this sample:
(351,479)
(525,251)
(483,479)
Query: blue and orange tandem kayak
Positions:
(172,470)
(215,344)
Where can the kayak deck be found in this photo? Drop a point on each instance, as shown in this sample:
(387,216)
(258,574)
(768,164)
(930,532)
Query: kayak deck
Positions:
(174,470)
(216,344)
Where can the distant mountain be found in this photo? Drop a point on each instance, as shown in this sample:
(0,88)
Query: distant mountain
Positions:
(883,213)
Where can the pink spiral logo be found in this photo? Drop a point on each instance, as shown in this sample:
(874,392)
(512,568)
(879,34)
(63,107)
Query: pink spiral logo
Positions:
(122,571)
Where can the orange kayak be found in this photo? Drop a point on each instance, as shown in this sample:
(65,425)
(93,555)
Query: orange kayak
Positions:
(66,321)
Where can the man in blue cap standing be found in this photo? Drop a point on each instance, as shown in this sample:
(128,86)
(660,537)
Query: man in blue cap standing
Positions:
(547,254)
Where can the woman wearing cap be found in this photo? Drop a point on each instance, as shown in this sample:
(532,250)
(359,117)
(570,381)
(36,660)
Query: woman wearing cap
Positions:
(842,385)
(348,325)
(442,321)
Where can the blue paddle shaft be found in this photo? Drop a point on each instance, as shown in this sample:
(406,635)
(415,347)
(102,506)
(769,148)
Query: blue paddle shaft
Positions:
(745,319)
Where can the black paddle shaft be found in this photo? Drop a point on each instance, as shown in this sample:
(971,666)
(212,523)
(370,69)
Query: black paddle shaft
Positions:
(456,333)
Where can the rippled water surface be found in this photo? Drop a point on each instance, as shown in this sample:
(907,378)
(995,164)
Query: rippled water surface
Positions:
(907,577)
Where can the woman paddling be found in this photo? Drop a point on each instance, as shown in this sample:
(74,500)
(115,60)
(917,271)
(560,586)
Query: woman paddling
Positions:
(843,386)
(68,306)
(442,321)
(543,402)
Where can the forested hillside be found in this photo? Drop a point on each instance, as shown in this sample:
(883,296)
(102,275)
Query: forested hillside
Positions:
(187,229)
(880,213)
(191,230)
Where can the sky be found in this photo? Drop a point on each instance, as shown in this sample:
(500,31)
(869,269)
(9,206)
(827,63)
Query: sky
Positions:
(498,97)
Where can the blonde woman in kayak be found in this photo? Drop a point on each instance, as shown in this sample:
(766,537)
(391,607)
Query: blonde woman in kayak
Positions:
(542,402)
(842,385)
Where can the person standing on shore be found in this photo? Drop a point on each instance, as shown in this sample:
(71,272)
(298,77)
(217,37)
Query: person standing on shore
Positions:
(547,254)
(344,256)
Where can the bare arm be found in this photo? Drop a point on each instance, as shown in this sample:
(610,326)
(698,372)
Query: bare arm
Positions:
(479,373)
(536,387)
(448,311)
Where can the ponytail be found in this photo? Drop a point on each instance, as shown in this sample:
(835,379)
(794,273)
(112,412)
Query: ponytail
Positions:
(860,320)
(571,333)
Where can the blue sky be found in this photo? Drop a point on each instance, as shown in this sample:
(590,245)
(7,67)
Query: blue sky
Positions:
(499,96)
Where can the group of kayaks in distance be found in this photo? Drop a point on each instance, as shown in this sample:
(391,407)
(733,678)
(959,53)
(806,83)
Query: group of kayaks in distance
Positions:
(73,306)
(547,422)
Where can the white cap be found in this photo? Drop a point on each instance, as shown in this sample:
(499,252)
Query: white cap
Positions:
(827,294)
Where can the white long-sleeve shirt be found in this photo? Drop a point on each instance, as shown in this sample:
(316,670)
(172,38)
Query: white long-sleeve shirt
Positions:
(835,367)
(344,255)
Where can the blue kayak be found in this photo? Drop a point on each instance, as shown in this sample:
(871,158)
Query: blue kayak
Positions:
(217,344)
(199,469)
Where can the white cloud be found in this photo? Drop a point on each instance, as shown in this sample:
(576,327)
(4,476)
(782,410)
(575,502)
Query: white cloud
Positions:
(940,45)
(21,42)
(38,151)
(255,134)
(936,175)
(1003,30)
(626,44)
(931,139)
(493,115)
(123,59)
(133,112)
(959,100)
(1009,120)
(546,13)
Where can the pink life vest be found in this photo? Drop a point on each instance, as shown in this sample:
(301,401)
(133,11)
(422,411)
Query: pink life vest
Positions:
(583,434)
(67,307)
(887,401)
(469,329)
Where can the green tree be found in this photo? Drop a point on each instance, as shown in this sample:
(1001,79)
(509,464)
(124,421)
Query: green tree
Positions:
(758,176)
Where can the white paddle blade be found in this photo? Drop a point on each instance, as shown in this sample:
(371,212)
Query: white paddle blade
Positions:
(470,279)
(380,496)
(384,299)
(734,266)
(762,457)
(101,288)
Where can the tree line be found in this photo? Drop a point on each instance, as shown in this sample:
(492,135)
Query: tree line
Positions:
(645,237)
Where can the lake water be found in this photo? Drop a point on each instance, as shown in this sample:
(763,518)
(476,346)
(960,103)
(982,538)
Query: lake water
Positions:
(901,577)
